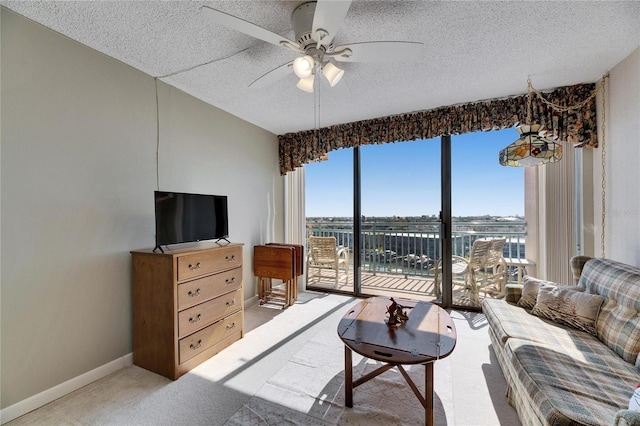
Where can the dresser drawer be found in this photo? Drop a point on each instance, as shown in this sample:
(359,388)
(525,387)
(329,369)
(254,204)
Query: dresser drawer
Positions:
(207,262)
(197,291)
(195,318)
(196,343)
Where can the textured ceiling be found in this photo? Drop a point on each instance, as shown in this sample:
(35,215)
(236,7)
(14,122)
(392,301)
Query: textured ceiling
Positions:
(472,51)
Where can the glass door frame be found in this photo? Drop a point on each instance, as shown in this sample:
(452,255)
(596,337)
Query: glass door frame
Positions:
(445,220)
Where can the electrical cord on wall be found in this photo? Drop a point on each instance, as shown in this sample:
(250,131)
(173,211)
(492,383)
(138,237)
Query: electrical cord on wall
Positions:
(203,64)
(157,137)
(158,106)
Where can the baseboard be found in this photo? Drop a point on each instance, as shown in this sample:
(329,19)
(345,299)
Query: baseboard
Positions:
(251,301)
(34,402)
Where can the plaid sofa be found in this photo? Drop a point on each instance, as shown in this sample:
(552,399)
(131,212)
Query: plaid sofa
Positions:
(558,375)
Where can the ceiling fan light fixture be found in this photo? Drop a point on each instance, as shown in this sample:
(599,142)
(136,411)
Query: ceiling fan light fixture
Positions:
(332,73)
(303,66)
(306,84)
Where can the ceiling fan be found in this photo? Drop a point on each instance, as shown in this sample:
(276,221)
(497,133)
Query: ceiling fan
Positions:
(315,25)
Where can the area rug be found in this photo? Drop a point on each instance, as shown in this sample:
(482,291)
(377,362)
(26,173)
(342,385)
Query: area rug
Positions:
(309,390)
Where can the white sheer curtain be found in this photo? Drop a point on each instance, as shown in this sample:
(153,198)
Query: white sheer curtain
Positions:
(294,210)
(551,227)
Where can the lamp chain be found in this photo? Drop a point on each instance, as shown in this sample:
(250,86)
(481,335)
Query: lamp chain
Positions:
(565,108)
(579,105)
(529,101)
(604,163)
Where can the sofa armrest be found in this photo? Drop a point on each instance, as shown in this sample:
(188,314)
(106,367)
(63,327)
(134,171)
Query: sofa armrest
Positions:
(627,418)
(577,263)
(513,293)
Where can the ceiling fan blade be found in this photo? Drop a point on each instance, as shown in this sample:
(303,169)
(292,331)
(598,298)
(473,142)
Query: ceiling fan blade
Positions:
(272,76)
(378,51)
(328,17)
(248,28)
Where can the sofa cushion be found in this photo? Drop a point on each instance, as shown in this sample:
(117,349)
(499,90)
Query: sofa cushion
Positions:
(511,321)
(618,324)
(568,305)
(582,384)
(530,286)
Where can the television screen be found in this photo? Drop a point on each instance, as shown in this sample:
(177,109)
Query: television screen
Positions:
(182,217)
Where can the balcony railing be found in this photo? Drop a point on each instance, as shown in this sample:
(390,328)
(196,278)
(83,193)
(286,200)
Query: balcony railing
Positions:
(412,248)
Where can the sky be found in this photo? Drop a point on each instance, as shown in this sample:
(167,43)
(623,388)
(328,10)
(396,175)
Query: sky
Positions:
(403,179)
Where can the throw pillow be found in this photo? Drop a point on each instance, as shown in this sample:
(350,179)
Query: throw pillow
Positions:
(530,286)
(568,305)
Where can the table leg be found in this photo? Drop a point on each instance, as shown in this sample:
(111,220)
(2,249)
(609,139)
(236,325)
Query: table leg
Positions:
(348,378)
(261,289)
(428,406)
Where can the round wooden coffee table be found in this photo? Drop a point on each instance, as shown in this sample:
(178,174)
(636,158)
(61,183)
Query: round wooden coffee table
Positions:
(427,336)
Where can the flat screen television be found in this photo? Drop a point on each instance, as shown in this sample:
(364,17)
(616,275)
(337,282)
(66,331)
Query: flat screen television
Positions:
(183,218)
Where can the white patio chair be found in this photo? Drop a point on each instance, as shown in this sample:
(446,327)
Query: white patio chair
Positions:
(491,274)
(325,255)
(484,271)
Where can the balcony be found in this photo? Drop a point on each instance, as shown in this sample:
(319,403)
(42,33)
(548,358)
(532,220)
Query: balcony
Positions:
(398,256)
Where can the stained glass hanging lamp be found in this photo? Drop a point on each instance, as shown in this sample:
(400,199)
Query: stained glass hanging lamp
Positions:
(532,148)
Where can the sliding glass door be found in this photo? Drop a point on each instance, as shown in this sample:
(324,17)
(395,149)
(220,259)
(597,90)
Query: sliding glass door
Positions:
(406,217)
(399,221)
(329,194)
(488,225)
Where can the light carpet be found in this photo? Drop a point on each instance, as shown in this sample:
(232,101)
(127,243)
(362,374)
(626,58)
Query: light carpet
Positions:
(289,370)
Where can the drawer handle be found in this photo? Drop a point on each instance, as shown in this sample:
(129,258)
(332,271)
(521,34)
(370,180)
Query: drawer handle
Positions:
(193,320)
(192,293)
(230,258)
(232,325)
(231,303)
(196,346)
(192,267)
(230,281)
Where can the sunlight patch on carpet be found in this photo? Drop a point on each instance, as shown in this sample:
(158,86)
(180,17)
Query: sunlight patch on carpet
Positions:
(309,390)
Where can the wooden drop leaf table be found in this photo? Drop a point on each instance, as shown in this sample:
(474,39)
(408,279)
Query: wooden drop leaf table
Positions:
(427,336)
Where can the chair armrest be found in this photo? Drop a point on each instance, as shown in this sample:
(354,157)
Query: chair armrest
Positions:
(343,251)
(627,418)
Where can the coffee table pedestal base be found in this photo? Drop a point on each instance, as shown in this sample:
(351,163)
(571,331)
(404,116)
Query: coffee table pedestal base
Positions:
(426,400)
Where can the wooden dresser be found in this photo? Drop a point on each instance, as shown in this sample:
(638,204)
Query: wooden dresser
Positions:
(187,306)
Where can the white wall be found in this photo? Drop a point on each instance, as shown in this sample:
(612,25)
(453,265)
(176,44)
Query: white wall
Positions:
(622,172)
(78,171)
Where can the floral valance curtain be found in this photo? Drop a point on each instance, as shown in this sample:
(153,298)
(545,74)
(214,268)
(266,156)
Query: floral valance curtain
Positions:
(574,126)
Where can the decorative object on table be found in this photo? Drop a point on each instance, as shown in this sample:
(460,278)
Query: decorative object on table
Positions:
(396,312)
